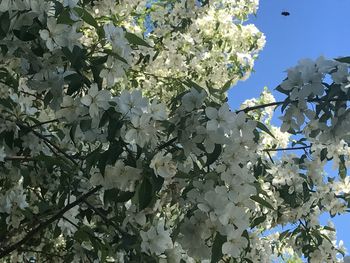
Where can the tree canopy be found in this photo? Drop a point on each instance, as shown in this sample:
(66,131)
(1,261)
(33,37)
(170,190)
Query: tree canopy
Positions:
(117,143)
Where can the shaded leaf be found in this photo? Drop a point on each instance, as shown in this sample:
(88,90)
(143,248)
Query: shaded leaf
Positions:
(86,16)
(258,220)
(263,127)
(343,60)
(136,40)
(4,24)
(261,201)
(342,167)
(212,157)
(216,250)
(145,194)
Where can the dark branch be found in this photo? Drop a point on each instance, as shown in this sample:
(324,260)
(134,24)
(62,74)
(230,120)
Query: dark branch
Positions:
(44,122)
(7,250)
(278,103)
(19,158)
(288,149)
(108,221)
(42,137)
(166,144)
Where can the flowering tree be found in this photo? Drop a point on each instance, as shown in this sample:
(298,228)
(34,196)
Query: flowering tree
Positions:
(117,144)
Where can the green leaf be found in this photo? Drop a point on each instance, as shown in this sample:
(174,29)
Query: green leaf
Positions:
(226,86)
(124,197)
(113,128)
(85,125)
(8,137)
(72,132)
(4,24)
(261,201)
(329,228)
(104,119)
(136,40)
(191,84)
(258,220)
(323,154)
(343,60)
(110,196)
(77,57)
(65,18)
(263,127)
(24,34)
(279,88)
(342,167)
(145,194)
(93,158)
(86,16)
(216,250)
(75,83)
(212,157)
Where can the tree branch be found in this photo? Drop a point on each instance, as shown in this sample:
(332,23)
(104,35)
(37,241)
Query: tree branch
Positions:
(166,144)
(278,103)
(44,122)
(5,251)
(40,136)
(108,221)
(19,158)
(287,149)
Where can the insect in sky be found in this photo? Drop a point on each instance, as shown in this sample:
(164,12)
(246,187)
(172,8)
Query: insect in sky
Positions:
(285,13)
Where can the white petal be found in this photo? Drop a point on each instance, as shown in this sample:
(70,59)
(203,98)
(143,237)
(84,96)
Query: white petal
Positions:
(211,112)
(86,100)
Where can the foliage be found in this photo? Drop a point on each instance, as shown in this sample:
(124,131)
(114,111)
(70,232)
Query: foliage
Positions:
(117,144)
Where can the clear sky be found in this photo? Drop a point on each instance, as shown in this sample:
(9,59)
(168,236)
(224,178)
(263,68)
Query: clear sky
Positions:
(314,28)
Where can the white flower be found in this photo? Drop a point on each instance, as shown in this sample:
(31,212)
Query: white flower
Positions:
(193,99)
(116,36)
(233,215)
(163,165)
(70,3)
(132,103)
(158,110)
(70,109)
(142,130)
(96,99)
(120,176)
(156,240)
(12,199)
(221,118)
(114,71)
(235,244)
(54,34)
(69,217)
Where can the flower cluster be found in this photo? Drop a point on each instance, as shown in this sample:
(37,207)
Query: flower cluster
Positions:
(117,143)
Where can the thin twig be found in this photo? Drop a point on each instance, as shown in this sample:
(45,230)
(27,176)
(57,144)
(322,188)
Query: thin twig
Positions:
(287,149)
(7,250)
(166,144)
(19,158)
(40,136)
(278,103)
(108,221)
(44,122)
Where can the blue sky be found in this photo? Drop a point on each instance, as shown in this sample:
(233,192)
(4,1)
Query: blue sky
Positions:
(314,28)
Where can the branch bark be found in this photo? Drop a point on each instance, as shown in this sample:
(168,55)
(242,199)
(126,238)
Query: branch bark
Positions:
(278,103)
(288,149)
(7,250)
